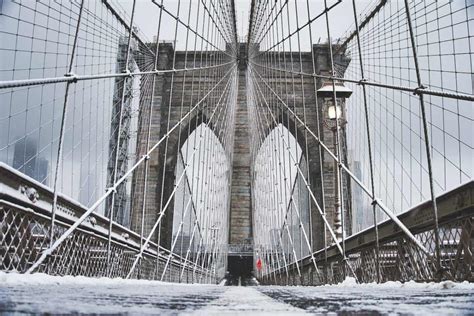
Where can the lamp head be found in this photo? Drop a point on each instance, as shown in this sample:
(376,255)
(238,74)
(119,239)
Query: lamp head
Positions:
(327,90)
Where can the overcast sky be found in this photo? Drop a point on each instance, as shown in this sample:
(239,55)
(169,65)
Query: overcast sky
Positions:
(341,17)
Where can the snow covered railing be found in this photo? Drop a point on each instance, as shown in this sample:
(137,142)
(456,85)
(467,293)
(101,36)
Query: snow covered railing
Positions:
(400,259)
(25,223)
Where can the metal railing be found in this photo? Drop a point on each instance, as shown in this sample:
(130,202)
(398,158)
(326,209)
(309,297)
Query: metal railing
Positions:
(25,225)
(108,107)
(400,258)
(395,136)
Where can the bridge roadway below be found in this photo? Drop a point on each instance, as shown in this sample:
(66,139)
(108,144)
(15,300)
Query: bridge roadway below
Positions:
(43,294)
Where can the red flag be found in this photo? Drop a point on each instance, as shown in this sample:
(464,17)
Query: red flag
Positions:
(259,264)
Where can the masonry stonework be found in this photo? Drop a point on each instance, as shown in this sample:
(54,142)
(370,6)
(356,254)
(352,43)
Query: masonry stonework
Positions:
(241,207)
(297,91)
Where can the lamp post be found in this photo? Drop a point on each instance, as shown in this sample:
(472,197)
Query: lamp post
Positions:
(213,256)
(334,119)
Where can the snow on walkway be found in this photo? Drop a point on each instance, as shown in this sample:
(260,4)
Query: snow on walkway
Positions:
(237,300)
(40,293)
(390,298)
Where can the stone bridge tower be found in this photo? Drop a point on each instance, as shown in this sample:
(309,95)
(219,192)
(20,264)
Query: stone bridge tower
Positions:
(240,230)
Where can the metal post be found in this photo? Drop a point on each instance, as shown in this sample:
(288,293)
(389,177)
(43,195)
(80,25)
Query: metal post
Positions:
(440,268)
(337,199)
(63,125)
(369,145)
(117,146)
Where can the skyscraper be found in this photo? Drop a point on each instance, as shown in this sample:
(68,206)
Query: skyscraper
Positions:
(26,160)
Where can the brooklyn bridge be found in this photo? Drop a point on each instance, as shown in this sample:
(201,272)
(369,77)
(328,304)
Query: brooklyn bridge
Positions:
(312,156)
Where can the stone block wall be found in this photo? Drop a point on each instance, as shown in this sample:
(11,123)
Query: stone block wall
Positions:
(241,208)
(297,91)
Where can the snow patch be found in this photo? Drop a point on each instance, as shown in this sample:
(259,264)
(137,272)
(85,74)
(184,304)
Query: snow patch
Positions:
(351,282)
(15,278)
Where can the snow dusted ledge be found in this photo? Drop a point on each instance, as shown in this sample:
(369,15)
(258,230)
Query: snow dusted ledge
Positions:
(351,282)
(13,278)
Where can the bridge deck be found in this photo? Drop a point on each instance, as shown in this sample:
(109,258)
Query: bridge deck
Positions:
(45,294)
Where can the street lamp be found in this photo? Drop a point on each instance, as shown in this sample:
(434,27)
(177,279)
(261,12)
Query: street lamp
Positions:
(214,248)
(335,120)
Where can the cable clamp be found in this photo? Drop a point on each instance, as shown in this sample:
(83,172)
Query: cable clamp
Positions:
(417,89)
(375,202)
(71,75)
(362,81)
(127,73)
(112,189)
(147,157)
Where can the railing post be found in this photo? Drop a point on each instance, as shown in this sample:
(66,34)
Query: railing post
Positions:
(63,125)
(369,145)
(117,146)
(439,265)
